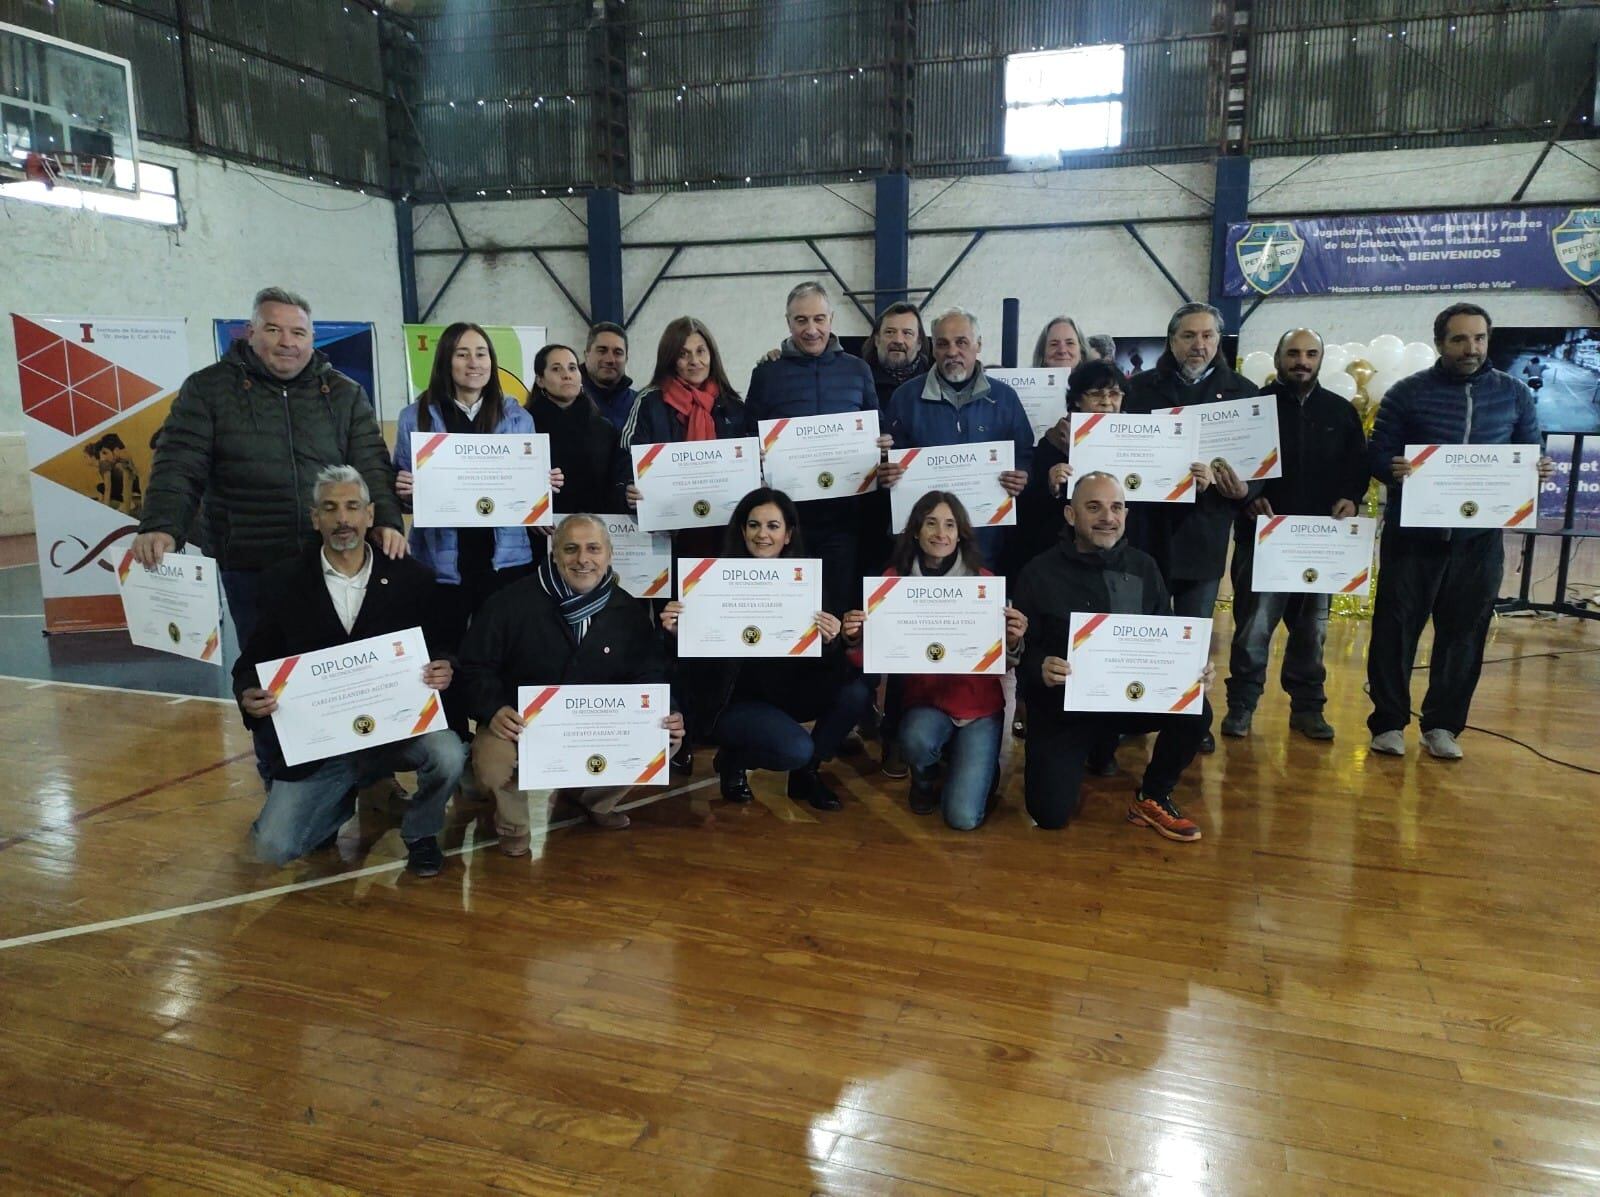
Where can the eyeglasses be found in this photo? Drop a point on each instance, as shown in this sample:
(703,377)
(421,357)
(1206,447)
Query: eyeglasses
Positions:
(1104,393)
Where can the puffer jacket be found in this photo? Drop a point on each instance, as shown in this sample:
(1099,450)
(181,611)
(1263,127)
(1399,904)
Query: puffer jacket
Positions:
(801,384)
(252,445)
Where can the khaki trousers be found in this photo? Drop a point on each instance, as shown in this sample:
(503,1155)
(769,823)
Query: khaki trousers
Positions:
(494,766)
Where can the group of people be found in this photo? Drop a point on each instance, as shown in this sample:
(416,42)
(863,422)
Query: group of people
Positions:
(303,505)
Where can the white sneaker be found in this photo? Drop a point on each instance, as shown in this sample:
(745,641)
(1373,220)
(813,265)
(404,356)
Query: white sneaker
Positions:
(1391,743)
(1441,744)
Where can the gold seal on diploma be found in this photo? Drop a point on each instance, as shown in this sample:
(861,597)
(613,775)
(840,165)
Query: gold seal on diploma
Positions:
(1218,463)
(702,508)
(825,480)
(1309,576)
(751,635)
(364,725)
(1469,509)
(173,634)
(596,764)
(1132,482)
(1135,691)
(935,651)
(485,506)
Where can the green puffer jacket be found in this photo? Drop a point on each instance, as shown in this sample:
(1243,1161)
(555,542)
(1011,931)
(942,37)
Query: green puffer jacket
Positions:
(252,446)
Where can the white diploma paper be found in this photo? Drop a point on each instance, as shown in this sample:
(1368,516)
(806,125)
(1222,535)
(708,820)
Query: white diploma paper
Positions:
(970,472)
(1150,664)
(480,480)
(749,607)
(1471,486)
(642,560)
(821,457)
(935,625)
(1043,392)
(1312,554)
(694,484)
(1241,432)
(352,696)
(1150,454)
(576,736)
(173,608)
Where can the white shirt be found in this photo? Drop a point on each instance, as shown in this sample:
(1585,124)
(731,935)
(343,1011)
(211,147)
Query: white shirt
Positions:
(470,412)
(347,593)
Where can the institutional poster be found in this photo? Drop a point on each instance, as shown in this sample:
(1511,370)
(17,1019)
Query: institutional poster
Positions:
(514,348)
(95,391)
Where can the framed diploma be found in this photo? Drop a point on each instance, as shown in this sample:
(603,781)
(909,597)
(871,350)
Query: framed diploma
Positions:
(173,607)
(935,625)
(1149,664)
(821,457)
(749,607)
(480,480)
(575,736)
(1471,486)
(1313,554)
(1150,454)
(694,484)
(351,696)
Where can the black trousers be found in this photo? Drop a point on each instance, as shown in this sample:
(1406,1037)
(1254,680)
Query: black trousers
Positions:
(834,541)
(450,609)
(1059,744)
(1454,582)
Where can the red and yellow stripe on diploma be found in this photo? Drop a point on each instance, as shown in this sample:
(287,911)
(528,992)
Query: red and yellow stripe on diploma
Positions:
(695,574)
(125,567)
(1427,452)
(1087,630)
(656,587)
(1520,514)
(540,701)
(1189,695)
(875,599)
(427,450)
(209,651)
(1000,511)
(650,770)
(653,452)
(773,434)
(536,512)
(805,642)
(281,678)
(1267,462)
(425,716)
(1355,583)
(1177,492)
(989,658)
(1268,527)
(1081,432)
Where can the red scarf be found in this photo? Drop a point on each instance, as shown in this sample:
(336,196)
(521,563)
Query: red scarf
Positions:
(694,405)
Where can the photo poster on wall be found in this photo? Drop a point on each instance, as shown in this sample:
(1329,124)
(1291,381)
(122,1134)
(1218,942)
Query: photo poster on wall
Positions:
(515,346)
(351,347)
(95,391)
(1135,354)
(1561,366)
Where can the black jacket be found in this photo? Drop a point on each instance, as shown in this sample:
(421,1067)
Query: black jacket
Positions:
(802,687)
(1188,541)
(1039,518)
(1324,453)
(297,616)
(1120,580)
(519,638)
(584,447)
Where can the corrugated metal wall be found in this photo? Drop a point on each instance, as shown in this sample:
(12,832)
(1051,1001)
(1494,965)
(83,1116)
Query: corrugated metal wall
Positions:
(254,99)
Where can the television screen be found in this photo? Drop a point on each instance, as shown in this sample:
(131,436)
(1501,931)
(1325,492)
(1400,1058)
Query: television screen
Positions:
(1562,368)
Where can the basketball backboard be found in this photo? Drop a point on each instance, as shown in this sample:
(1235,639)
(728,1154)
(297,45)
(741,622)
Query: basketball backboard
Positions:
(66,114)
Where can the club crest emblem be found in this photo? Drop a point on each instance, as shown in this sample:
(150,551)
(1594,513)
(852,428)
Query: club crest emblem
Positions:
(1268,255)
(1309,577)
(702,508)
(935,651)
(751,635)
(644,702)
(1576,241)
(1132,482)
(825,480)
(173,634)
(1469,509)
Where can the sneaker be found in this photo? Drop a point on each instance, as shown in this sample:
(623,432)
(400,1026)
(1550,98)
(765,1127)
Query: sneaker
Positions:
(1389,743)
(1441,744)
(924,791)
(1309,724)
(1163,817)
(1236,722)
(423,858)
(609,820)
(894,762)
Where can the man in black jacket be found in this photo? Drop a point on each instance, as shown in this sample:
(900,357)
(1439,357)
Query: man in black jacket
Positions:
(568,624)
(1190,541)
(1093,568)
(1324,473)
(338,592)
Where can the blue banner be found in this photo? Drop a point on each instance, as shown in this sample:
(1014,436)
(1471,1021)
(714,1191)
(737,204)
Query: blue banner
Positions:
(349,346)
(1490,250)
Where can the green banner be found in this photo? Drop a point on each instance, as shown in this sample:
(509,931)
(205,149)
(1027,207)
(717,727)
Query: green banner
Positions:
(514,348)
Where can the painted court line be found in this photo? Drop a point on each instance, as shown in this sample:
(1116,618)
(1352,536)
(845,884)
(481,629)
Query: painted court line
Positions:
(278,891)
(34,683)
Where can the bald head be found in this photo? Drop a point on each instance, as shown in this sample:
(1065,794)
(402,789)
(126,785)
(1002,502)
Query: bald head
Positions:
(1098,512)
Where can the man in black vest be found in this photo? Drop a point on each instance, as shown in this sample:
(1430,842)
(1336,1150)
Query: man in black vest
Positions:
(338,592)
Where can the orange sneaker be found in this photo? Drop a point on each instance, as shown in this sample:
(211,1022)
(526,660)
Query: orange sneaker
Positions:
(1163,817)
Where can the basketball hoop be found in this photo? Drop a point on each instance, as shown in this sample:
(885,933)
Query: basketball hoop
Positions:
(87,171)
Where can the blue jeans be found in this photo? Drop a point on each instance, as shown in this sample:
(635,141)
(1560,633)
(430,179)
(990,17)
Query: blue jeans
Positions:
(299,815)
(243,588)
(972,758)
(1255,618)
(758,735)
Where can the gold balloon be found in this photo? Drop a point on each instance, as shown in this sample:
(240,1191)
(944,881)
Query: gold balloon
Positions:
(1361,370)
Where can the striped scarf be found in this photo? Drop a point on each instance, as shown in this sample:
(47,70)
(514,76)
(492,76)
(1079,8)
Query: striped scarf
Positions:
(577,609)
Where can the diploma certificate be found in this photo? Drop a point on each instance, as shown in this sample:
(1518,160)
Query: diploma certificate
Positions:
(1043,393)
(1471,486)
(1150,454)
(480,480)
(935,625)
(575,736)
(642,560)
(1150,664)
(1241,432)
(173,607)
(821,457)
(351,696)
(749,607)
(970,472)
(694,484)
(1312,554)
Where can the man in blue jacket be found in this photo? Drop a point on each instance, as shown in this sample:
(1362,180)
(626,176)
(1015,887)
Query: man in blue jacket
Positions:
(956,403)
(813,376)
(1450,574)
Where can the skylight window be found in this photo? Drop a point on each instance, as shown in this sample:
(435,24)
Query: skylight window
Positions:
(1061,101)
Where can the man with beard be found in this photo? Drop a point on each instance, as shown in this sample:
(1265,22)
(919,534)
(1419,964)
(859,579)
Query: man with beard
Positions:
(1190,540)
(1324,473)
(1449,574)
(604,370)
(897,351)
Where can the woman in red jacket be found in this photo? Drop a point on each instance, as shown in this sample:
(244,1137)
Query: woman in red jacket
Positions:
(951,717)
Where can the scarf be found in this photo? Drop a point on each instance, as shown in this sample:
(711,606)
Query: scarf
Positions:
(955,567)
(694,405)
(577,609)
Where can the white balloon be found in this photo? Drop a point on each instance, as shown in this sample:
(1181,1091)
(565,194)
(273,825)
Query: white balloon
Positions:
(1378,385)
(1339,383)
(1334,358)
(1386,352)
(1256,366)
(1354,350)
(1417,355)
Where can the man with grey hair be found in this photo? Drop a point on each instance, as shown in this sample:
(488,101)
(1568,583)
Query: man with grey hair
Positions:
(334,592)
(1190,540)
(812,375)
(956,403)
(1103,346)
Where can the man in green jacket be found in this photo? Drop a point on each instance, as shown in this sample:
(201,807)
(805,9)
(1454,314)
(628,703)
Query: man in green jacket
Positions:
(249,435)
